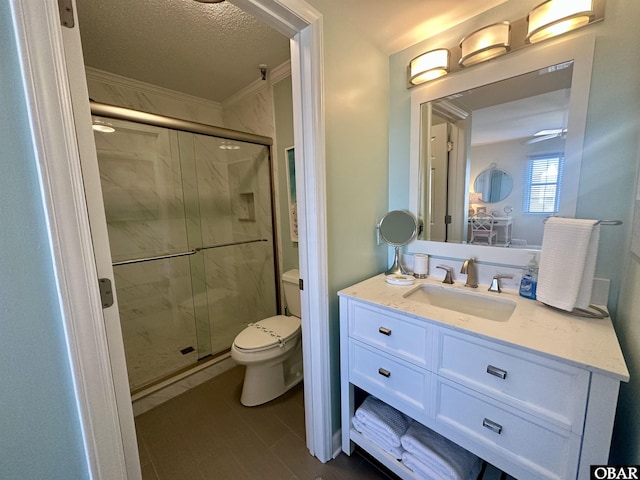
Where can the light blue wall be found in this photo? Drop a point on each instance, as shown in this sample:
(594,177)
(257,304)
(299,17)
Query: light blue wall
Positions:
(608,175)
(40,435)
(356,99)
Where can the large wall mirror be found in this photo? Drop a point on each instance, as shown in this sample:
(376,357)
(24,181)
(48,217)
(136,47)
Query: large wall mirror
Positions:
(475,133)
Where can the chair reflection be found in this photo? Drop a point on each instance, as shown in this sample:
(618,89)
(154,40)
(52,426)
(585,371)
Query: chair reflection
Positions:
(482,229)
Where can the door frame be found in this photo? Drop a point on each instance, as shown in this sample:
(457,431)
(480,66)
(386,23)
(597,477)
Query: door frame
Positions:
(60,130)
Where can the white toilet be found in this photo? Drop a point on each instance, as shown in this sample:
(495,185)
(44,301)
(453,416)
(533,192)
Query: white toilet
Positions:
(271,349)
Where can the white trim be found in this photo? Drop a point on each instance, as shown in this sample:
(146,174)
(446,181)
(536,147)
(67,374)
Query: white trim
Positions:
(280,72)
(309,141)
(289,17)
(337,443)
(97,219)
(52,122)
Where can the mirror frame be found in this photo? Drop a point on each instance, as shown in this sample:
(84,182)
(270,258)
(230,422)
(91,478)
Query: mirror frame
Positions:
(580,49)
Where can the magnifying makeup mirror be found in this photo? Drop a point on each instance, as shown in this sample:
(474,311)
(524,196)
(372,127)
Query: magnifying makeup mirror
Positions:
(397,228)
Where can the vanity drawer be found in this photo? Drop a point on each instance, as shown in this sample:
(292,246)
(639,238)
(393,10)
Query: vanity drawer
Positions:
(528,448)
(549,389)
(400,384)
(399,335)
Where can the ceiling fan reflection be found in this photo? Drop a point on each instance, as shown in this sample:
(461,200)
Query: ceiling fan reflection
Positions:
(544,135)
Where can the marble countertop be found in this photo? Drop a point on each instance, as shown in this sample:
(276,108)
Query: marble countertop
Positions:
(586,342)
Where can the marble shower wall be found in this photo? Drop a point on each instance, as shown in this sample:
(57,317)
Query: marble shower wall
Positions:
(168,192)
(252,112)
(153,208)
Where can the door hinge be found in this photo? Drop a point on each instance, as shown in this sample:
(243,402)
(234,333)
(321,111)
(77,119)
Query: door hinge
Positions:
(447,219)
(449,146)
(106,292)
(65,7)
(300,284)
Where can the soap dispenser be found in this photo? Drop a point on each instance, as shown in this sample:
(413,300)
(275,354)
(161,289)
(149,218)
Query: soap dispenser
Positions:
(529,281)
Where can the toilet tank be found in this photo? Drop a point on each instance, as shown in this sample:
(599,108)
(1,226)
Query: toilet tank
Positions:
(291,289)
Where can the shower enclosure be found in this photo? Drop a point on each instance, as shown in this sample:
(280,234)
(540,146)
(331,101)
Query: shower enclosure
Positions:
(190,218)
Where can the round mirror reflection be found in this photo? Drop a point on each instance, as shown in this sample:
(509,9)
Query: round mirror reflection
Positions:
(493,185)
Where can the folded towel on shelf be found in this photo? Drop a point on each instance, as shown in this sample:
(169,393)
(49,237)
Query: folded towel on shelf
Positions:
(383,419)
(375,437)
(436,455)
(424,471)
(568,262)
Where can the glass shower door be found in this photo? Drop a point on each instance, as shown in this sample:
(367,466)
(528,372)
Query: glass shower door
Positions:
(190,223)
(230,221)
(141,180)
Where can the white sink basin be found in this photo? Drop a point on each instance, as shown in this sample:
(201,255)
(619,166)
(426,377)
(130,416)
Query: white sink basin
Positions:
(481,305)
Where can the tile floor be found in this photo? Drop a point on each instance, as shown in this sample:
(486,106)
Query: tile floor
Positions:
(206,434)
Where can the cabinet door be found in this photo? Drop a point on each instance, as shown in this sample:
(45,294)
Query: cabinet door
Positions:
(551,390)
(393,381)
(398,335)
(507,437)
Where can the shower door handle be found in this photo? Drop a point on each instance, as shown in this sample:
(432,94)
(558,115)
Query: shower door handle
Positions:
(158,257)
(231,244)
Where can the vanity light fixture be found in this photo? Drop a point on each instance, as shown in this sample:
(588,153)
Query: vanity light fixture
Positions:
(102,127)
(555,17)
(486,43)
(429,66)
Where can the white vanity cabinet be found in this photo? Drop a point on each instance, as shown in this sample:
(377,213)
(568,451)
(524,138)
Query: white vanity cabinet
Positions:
(533,414)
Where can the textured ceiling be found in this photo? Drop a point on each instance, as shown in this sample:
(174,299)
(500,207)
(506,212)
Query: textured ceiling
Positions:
(206,50)
(213,50)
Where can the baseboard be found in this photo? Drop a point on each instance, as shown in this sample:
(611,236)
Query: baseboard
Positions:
(336,442)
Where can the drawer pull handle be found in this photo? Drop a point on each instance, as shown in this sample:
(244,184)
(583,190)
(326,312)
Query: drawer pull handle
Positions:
(496,372)
(493,426)
(384,373)
(385,331)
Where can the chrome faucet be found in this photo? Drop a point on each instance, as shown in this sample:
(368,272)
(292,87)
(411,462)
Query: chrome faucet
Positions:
(469,269)
(447,276)
(496,285)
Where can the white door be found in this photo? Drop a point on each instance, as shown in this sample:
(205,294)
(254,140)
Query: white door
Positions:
(99,236)
(437,178)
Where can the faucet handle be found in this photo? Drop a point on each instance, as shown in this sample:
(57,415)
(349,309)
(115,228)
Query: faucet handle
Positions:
(447,277)
(496,284)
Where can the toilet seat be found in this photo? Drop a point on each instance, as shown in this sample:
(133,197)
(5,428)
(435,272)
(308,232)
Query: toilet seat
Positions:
(268,333)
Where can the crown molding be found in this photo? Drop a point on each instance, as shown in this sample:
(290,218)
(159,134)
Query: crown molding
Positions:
(279,73)
(148,88)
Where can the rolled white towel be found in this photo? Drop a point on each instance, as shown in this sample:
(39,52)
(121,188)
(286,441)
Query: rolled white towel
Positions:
(439,454)
(383,419)
(379,440)
(424,471)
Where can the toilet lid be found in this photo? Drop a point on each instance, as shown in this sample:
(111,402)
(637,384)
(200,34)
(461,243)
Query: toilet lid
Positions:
(267,333)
